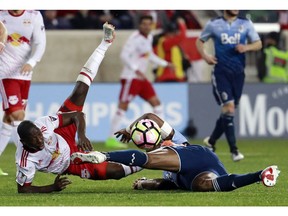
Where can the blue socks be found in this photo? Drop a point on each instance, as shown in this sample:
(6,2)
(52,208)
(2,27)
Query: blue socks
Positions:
(229,129)
(217,132)
(233,181)
(128,157)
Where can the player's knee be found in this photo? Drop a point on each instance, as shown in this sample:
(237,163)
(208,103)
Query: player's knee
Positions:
(203,182)
(228,109)
(115,171)
(18,115)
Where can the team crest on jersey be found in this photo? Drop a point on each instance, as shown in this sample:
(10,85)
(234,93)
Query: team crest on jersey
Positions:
(85,174)
(49,140)
(13,99)
(241,28)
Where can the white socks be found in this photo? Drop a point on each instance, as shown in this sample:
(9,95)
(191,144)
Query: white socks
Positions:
(5,135)
(116,121)
(90,69)
(131,169)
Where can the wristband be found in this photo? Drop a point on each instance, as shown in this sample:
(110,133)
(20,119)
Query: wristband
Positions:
(128,130)
(166,129)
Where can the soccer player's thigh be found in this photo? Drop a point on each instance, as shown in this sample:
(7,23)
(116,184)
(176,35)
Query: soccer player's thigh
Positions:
(12,95)
(147,91)
(129,89)
(238,87)
(222,89)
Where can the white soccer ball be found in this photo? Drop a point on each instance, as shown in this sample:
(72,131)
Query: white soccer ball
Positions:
(145,134)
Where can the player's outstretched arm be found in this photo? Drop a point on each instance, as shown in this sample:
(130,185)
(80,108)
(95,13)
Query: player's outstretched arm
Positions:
(59,184)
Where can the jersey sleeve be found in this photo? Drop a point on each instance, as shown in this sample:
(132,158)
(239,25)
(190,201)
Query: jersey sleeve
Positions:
(38,40)
(127,52)
(206,34)
(25,171)
(49,123)
(252,34)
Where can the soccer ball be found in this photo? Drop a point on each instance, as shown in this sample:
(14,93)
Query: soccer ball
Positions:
(146,134)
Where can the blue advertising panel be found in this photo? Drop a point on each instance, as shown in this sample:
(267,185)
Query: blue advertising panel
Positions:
(102,101)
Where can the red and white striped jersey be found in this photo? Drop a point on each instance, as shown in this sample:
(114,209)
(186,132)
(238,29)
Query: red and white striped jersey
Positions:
(26,43)
(54,158)
(136,54)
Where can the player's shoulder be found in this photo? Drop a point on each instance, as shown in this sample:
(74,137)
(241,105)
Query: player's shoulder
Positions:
(215,19)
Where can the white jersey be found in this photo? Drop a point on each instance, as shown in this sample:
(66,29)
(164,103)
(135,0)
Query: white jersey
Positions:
(136,55)
(54,158)
(26,43)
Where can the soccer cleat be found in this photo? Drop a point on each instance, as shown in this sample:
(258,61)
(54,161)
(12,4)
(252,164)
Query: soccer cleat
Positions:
(91,157)
(137,185)
(270,175)
(108,32)
(237,156)
(3,173)
(113,143)
(209,145)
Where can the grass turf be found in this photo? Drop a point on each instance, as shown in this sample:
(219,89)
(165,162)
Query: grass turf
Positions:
(82,192)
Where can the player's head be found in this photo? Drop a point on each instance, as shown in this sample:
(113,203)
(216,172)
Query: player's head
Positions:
(231,13)
(145,24)
(272,38)
(30,136)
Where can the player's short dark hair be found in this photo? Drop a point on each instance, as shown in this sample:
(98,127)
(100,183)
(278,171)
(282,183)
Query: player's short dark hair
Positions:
(145,17)
(273,35)
(24,129)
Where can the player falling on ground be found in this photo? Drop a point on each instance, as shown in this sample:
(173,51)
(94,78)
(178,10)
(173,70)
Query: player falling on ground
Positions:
(46,144)
(186,166)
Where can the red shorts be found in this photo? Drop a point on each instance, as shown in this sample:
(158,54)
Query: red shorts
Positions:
(134,87)
(85,170)
(14,94)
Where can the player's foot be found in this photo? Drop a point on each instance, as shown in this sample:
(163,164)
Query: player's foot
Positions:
(270,175)
(237,156)
(113,143)
(109,33)
(3,173)
(91,157)
(209,145)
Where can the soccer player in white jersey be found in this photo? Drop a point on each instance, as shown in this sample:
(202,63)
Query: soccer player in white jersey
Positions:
(136,55)
(23,48)
(46,144)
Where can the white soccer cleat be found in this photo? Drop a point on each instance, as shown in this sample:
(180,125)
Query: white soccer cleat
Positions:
(270,175)
(3,173)
(91,157)
(108,32)
(237,156)
(208,145)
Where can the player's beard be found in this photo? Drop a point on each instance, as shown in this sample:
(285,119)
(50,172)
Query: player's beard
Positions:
(232,13)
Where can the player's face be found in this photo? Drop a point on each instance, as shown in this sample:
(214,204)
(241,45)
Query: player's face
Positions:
(232,13)
(145,26)
(35,142)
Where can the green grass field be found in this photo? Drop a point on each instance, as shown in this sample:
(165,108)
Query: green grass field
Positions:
(258,155)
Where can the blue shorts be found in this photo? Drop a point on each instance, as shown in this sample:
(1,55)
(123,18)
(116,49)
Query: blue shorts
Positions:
(227,86)
(194,159)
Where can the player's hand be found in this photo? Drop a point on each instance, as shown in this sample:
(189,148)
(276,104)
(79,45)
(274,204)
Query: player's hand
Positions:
(125,137)
(84,143)
(2,47)
(241,48)
(26,69)
(171,66)
(211,60)
(60,183)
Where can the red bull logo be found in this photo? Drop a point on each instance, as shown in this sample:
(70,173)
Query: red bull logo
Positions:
(16,39)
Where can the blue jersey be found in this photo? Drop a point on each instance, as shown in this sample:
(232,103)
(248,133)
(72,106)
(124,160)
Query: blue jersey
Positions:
(226,37)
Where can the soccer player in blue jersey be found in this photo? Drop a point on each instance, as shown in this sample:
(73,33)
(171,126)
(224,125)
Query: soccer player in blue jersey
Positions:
(230,34)
(186,166)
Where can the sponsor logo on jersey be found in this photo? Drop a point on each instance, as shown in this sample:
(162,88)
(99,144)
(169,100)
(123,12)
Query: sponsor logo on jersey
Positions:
(13,99)
(226,39)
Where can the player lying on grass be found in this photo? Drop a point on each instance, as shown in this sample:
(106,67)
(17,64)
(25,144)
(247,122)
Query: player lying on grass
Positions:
(46,144)
(186,166)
